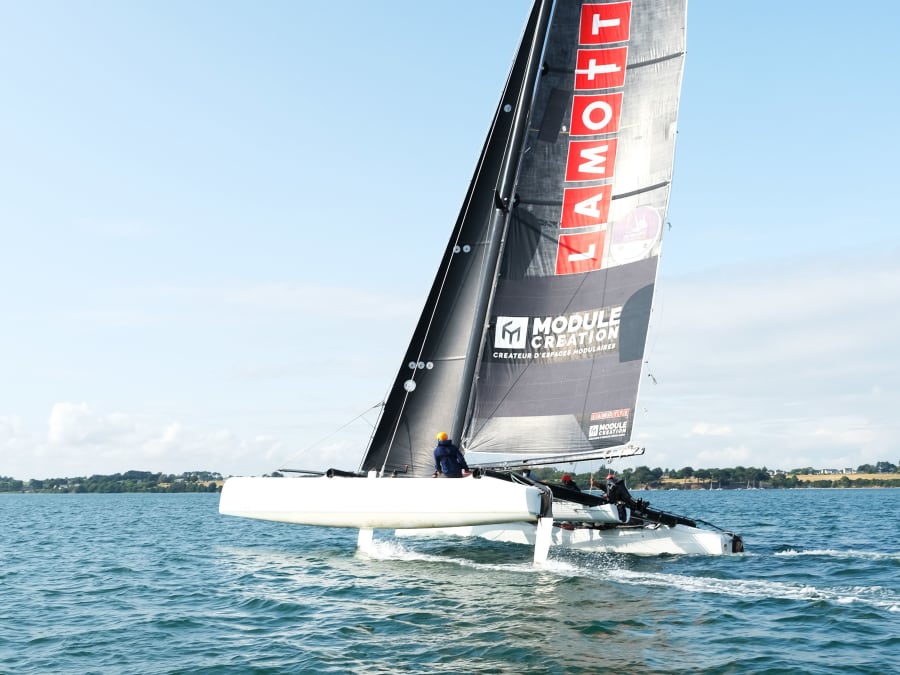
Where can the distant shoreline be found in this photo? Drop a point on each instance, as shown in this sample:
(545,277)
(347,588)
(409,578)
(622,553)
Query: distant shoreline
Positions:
(785,482)
(212,482)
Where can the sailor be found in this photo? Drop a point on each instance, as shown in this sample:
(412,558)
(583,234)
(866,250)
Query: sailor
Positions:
(610,485)
(448,460)
(617,493)
(569,483)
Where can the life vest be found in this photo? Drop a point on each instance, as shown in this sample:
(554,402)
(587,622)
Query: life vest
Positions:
(447,456)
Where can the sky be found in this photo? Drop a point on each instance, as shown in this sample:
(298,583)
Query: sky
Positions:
(218,222)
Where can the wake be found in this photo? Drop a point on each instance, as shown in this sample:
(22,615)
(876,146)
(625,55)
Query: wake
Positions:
(749,589)
(878,597)
(390,549)
(834,553)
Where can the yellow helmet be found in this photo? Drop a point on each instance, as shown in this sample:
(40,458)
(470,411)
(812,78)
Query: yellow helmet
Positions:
(442,436)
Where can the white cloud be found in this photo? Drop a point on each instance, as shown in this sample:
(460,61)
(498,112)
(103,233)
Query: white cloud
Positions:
(725,457)
(75,424)
(10,429)
(781,367)
(785,365)
(80,440)
(704,429)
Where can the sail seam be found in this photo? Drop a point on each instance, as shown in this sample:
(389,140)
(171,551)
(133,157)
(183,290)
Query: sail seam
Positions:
(640,64)
(623,195)
(642,190)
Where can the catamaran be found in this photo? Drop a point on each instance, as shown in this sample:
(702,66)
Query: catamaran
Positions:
(529,348)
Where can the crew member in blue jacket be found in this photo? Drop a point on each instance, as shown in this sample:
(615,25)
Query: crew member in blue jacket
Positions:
(448,460)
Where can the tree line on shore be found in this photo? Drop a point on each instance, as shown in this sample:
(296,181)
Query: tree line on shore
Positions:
(640,477)
(130,481)
(731,478)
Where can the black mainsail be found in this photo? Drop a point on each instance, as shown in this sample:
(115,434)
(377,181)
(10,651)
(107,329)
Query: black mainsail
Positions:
(532,338)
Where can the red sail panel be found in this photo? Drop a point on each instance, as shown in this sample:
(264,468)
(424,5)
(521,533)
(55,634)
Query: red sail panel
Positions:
(597,114)
(587,206)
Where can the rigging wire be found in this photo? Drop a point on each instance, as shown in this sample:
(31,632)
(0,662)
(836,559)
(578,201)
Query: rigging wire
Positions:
(457,235)
(341,428)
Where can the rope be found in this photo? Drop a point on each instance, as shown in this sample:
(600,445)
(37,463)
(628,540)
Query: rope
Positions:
(339,429)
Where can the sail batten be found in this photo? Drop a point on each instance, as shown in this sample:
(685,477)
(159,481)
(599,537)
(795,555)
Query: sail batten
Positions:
(501,461)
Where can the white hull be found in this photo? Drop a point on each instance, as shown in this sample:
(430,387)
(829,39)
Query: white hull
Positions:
(579,513)
(648,540)
(380,502)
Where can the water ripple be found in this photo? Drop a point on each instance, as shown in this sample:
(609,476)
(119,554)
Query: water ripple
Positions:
(163,584)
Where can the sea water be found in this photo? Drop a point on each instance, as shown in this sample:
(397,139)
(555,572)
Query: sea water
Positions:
(161,583)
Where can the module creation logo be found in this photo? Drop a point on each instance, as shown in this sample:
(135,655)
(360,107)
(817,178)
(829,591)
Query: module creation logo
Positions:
(609,424)
(512,332)
(559,338)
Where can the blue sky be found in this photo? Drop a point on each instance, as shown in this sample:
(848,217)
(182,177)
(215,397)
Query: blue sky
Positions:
(219,220)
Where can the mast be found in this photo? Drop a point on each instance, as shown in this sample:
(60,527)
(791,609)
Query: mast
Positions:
(431,390)
(499,218)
